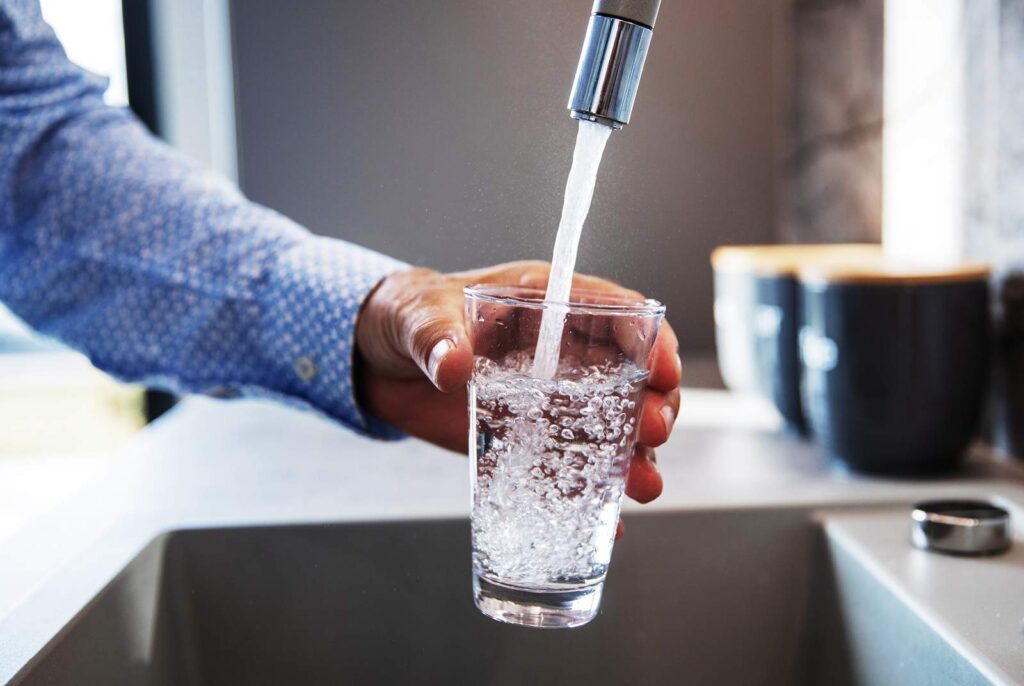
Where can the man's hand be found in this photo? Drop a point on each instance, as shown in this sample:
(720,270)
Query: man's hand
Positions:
(415,359)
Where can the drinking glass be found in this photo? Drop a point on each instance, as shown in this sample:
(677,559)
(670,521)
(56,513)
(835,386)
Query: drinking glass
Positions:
(549,456)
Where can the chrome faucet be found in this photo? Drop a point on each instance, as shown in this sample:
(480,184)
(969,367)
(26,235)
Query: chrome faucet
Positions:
(613,57)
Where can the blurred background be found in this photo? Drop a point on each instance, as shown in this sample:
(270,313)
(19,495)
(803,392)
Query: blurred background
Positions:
(438,133)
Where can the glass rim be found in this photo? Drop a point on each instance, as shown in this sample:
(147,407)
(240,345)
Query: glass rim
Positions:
(620,305)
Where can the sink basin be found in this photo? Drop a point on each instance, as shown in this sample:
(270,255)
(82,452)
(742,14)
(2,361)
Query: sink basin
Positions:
(747,596)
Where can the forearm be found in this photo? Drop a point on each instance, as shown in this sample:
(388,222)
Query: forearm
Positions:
(157,269)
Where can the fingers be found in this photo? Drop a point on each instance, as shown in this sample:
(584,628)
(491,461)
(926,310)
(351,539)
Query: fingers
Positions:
(658,417)
(530,273)
(644,483)
(412,323)
(664,363)
(535,275)
(435,339)
(450,364)
(665,366)
(599,285)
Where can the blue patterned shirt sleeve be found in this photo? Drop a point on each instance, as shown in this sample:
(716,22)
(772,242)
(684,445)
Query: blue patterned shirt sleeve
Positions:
(157,269)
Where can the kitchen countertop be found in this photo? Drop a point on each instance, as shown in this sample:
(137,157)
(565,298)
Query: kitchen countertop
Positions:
(976,604)
(210,463)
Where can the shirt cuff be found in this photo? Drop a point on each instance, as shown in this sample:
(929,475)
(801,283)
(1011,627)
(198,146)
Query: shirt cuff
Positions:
(312,299)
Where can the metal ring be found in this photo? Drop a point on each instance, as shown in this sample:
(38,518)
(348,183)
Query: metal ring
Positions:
(961,527)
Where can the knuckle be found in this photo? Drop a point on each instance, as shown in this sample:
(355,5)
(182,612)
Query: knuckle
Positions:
(426,320)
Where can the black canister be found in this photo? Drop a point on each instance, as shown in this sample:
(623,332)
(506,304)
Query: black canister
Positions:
(895,363)
(757,317)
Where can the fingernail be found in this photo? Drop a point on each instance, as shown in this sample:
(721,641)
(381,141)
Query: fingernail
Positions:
(679,365)
(669,417)
(437,355)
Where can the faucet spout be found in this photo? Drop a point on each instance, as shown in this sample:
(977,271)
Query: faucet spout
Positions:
(612,60)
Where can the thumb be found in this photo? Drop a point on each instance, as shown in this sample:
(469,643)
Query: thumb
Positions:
(436,340)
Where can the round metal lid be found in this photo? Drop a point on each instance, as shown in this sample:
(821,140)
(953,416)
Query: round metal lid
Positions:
(961,527)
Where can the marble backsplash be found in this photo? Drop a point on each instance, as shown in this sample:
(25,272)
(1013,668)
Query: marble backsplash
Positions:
(831,176)
(831,163)
(1002,237)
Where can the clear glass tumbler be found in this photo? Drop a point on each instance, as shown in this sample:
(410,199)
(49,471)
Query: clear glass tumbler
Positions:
(549,456)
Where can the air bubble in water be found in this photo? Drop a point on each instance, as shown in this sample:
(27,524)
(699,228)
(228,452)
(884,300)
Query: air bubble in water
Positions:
(550,474)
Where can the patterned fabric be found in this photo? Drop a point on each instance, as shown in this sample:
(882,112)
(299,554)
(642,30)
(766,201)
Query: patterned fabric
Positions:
(157,269)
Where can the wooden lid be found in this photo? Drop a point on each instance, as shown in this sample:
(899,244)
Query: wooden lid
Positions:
(882,271)
(782,260)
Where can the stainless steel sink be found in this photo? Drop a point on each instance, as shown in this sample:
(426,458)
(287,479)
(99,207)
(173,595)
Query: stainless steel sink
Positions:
(749,596)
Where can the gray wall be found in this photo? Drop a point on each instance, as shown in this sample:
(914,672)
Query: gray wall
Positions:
(437,132)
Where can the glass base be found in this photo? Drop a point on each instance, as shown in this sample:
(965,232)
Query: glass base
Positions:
(554,609)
